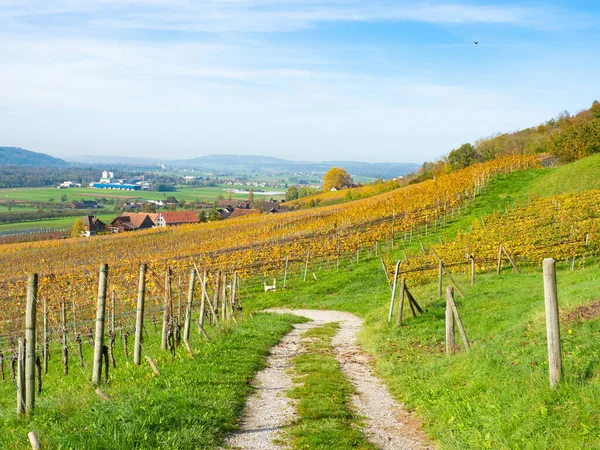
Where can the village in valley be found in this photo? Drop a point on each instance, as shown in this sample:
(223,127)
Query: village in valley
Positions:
(220,210)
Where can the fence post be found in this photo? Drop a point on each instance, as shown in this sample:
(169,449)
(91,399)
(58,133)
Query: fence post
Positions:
(188,311)
(401,301)
(139,316)
(21,378)
(440,278)
(30,327)
(472,258)
(45,345)
(306,265)
(449,320)
(286,269)
(394,291)
(552,325)
(99,338)
(166,311)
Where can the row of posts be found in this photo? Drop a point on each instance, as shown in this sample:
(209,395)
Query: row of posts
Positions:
(27,362)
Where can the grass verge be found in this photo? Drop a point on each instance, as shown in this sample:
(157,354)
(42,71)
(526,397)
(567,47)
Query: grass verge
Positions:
(326,419)
(193,404)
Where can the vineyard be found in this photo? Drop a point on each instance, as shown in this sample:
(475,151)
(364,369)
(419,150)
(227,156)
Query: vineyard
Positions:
(214,271)
(256,245)
(562,227)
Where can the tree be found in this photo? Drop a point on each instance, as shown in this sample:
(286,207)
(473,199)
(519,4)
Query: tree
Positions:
(291,194)
(78,228)
(463,156)
(336,177)
(595,109)
(251,195)
(63,198)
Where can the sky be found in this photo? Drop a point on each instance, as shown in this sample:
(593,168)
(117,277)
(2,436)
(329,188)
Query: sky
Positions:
(308,80)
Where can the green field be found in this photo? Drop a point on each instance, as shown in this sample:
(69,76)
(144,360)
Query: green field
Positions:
(182,193)
(65,223)
(43,195)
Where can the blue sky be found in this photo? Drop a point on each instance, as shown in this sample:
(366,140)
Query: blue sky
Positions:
(366,80)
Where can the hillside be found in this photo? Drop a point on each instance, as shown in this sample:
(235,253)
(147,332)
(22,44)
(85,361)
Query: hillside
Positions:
(20,157)
(578,176)
(494,396)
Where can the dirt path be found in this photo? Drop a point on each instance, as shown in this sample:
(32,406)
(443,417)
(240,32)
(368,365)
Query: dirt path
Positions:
(268,410)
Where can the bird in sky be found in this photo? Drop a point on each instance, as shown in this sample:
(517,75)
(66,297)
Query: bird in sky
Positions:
(476,42)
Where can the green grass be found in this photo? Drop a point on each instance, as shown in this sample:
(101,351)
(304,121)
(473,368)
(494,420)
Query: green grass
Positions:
(497,395)
(578,176)
(326,419)
(209,193)
(193,404)
(66,223)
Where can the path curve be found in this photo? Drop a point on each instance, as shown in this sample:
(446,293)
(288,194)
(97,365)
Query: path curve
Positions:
(387,424)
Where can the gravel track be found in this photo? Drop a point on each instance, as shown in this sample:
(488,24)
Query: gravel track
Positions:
(269,411)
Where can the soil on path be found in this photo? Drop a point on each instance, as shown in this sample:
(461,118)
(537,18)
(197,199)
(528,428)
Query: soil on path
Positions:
(269,410)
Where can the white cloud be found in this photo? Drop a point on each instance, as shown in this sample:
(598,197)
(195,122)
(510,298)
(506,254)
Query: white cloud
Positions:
(262,15)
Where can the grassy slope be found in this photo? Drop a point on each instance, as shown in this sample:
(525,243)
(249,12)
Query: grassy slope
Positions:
(576,177)
(192,404)
(497,396)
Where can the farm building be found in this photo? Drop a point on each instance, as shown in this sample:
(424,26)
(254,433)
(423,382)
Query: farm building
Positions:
(132,222)
(84,204)
(170,218)
(93,225)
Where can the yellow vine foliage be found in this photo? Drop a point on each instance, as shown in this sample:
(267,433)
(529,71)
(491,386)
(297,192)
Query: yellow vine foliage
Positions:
(256,244)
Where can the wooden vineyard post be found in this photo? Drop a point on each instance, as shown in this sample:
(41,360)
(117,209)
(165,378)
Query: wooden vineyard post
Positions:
(65,348)
(306,265)
(224,298)
(33,440)
(472,258)
(448,274)
(499,266)
(440,278)
(99,338)
(512,262)
(205,300)
(166,312)
(21,378)
(394,290)
(153,365)
(30,327)
(552,325)
(188,312)
(287,259)
(459,323)
(45,343)
(401,301)
(112,311)
(139,316)
(449,320)
(215,306)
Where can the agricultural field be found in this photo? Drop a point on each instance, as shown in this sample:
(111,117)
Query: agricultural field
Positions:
(338,257)
(182,193)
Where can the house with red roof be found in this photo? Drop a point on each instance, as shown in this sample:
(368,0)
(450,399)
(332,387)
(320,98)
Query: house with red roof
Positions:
(170,218)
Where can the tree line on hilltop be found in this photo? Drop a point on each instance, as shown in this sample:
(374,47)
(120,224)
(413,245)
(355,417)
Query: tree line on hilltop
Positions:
(566,137)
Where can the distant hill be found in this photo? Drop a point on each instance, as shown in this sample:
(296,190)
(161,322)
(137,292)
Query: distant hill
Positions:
(258,163)
(17,156)
(253,162)
(112,160)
